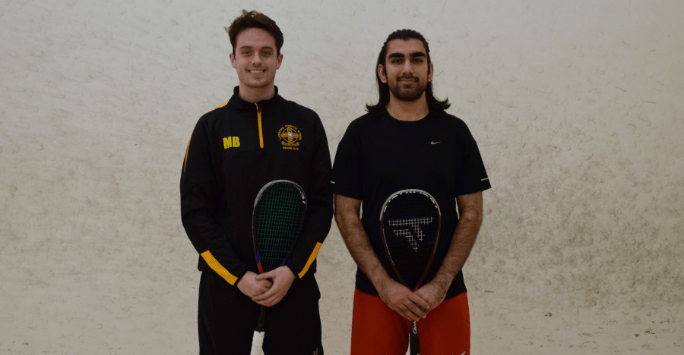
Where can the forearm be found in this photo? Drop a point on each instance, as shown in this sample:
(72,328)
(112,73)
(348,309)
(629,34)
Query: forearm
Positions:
(459,250)
(207,235)
(316,224)
(211,243)
(462,241)
(356,240)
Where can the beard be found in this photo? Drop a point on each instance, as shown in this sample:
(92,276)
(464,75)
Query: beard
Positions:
(408,94)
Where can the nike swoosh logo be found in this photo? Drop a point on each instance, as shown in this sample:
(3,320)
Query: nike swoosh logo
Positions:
(435,142)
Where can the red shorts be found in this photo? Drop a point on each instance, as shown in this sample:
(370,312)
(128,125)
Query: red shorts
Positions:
(378,330)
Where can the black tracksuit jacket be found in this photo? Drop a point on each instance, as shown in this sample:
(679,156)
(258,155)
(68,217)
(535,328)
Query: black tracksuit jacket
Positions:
(234,151)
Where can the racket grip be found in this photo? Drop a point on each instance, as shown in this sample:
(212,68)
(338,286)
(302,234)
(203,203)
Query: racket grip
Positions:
(413,339)
(257,342)
(258,337)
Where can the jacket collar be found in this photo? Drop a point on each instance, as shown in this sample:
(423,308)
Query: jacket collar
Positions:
(250,107)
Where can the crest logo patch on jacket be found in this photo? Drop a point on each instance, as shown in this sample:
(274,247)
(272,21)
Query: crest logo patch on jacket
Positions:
(289,137)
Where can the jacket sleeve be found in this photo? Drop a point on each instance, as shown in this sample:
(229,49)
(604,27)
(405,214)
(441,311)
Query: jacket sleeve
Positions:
(200,191)
(320,207)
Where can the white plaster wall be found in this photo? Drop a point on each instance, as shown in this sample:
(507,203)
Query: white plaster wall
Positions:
(576,106)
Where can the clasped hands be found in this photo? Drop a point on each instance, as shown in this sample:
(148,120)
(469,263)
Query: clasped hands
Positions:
(411,305)
(269,288)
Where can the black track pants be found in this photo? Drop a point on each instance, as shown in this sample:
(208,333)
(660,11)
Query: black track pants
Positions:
(227,318)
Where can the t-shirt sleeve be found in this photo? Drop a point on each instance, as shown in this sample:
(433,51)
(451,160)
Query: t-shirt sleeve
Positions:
(473,176)
(347,179)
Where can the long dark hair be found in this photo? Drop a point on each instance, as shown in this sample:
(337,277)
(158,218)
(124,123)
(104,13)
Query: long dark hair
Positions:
(383,89)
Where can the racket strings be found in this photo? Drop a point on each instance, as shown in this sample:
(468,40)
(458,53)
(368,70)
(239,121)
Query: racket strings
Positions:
(415,227)
(279,218)
(410,228)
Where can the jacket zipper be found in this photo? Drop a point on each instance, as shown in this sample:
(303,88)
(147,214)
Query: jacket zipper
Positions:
(261,136)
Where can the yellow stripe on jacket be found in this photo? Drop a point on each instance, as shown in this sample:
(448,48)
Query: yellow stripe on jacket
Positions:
(216,266)
(312,257)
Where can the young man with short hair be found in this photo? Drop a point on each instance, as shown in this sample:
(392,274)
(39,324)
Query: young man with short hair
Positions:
(408,141)
(254,138)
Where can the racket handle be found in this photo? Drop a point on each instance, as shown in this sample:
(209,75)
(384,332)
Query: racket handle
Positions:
(257,342)
(413,339)
(258,337)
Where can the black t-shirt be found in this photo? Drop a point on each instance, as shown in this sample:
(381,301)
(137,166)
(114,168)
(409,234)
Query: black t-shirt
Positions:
(381,155)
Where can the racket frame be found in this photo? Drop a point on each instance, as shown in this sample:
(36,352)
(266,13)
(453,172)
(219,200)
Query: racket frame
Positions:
(384,236)
(259,331)
(254,220)
(414,341)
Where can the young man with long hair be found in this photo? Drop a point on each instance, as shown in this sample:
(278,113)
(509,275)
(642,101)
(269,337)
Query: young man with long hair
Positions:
(408,141)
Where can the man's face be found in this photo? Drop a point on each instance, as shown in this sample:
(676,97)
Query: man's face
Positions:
(255,58)
(406,70)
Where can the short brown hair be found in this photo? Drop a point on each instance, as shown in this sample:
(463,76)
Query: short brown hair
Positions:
(254,19)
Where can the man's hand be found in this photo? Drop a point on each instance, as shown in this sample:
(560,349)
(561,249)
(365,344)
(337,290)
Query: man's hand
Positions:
(282,278)
(401,300)
(251,287)
(433,294)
